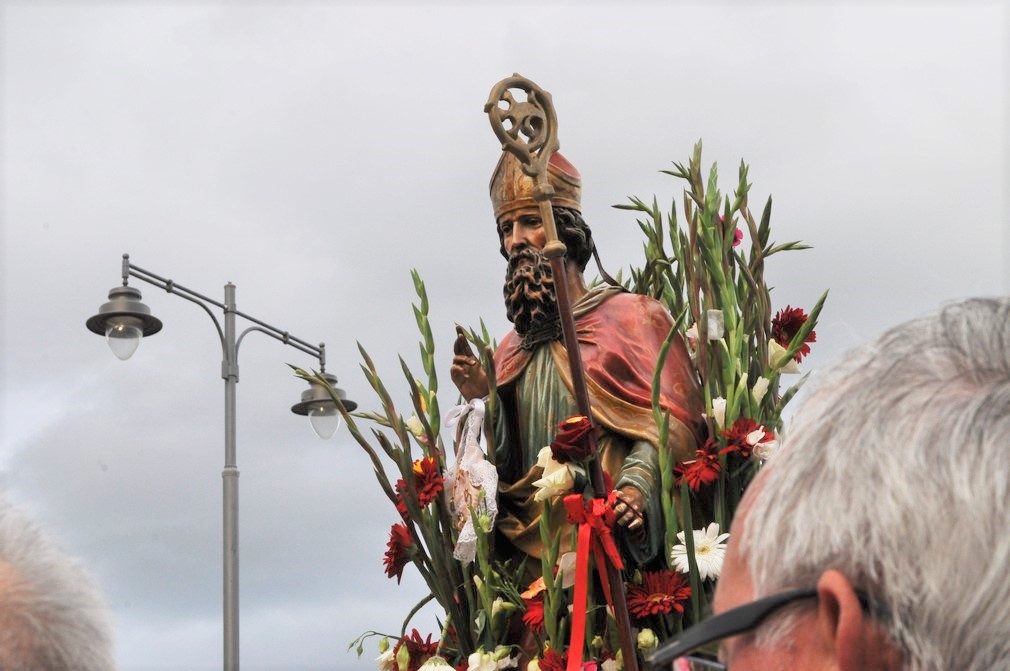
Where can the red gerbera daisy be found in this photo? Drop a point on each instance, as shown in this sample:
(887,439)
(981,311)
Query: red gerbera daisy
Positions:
(534,615)
(401,505)
(738,436)
(397,554)
(420,650)
(553,661)
(660,592)
(786,324)
(704,470)
(427,481)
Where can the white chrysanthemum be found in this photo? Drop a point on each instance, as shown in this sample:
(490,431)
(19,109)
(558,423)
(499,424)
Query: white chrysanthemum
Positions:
(764,451)
(709,551)
(435,663)
(386,661)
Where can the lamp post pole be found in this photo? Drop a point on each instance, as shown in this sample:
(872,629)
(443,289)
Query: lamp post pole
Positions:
(124,320)
(229,478)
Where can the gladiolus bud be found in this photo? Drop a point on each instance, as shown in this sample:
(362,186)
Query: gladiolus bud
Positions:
(647,640)
(403,658)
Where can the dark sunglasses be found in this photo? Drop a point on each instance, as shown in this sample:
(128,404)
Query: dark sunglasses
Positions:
(732,622)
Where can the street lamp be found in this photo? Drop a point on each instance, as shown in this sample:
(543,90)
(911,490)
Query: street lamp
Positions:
(124,320)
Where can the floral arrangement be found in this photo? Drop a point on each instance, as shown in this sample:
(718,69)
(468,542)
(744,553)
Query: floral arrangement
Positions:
(710,274)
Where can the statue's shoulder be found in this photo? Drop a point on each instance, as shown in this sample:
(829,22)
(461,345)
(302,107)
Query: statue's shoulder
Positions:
(626,303)
(508,344)
(509,358)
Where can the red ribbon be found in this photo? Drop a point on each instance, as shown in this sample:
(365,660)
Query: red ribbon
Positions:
(595,518)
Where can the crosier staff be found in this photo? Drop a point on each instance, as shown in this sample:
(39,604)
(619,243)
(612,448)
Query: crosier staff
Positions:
(532,138)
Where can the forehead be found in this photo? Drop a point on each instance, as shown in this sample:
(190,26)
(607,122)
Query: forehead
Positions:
(525,212)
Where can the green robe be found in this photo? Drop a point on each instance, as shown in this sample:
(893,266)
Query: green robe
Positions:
(535,397)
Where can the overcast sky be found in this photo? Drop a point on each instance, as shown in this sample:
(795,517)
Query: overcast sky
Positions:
(312,153)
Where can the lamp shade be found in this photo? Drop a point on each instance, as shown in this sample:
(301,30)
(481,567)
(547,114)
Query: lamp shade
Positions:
(320,407)
(124,320)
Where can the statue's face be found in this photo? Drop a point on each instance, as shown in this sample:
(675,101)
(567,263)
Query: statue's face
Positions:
(529,283)
(521,227)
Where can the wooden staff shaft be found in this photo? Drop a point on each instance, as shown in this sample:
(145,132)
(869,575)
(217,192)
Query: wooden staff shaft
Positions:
(555,250)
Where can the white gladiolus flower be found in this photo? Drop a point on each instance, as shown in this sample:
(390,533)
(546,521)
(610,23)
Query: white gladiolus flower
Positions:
(502,658)
(715,324)
(481,661)
(759,389)
(566,569)
(777,353)
(719,411)
(709,551)
(414,425)
(557,478)
(647,640)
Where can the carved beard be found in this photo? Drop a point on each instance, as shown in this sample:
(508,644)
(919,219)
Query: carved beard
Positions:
(530,301)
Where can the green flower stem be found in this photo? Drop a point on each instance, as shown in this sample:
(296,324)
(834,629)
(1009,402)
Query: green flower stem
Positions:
(552,593)
(692,562)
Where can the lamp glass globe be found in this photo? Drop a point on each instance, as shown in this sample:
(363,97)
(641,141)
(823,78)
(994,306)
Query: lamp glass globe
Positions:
(325,419)
(124,336)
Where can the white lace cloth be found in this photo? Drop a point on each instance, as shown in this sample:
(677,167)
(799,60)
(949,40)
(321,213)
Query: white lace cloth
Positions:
(471,473)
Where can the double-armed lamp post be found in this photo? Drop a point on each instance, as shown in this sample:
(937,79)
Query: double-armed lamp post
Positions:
(124,320)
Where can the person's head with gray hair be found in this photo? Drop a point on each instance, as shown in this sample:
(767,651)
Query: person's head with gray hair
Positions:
(881,530)
(52,617)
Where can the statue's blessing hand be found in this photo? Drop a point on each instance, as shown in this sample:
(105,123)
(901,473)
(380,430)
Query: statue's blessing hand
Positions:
(466,372)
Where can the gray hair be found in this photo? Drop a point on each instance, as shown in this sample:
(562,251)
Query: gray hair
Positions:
(894,471)
(52,618)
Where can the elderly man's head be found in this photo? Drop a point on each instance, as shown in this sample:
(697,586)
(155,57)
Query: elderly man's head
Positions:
(52,615)
(887,509)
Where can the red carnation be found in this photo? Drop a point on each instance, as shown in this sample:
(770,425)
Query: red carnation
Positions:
(737,436)
(419,650)
(660,592)
(534,615)
(703,470)
(786,324)
(572,440)
(397,554)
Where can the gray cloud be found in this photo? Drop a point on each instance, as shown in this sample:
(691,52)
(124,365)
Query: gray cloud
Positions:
(312,154)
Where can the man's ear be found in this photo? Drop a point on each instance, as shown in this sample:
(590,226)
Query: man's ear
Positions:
(858,641)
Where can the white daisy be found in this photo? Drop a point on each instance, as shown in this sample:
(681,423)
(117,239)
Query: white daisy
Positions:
(709,551)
